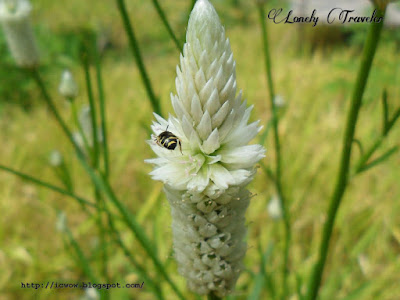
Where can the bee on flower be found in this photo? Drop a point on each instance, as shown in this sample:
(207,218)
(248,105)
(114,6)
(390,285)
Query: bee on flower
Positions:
(206,183)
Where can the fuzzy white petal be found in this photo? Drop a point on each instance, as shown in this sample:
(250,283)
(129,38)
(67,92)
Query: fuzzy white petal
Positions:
(242,157)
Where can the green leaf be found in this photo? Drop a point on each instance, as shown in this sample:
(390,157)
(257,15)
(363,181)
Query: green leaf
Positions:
(39,182)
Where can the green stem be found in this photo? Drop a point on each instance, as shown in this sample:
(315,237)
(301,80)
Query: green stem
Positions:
(102,102)
(104,186)
(343,173)
(395,117)
(277,145)
(130,220)
(142,271)
(67,179)
(166,24)
(54,188)
(364,158)
(138,57)
(387,126)
(93,118)
(102,233)
(83,261)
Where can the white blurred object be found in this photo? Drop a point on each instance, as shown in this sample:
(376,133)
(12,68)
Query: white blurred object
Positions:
(61,224)
(275,208)
(279,101)
(55,158)
(14,18)
(68,87)
(365,265)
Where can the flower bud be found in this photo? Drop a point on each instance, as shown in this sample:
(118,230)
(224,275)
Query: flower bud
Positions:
(279,101)
(275,208)
(68,86)
(55,158)
(14,18)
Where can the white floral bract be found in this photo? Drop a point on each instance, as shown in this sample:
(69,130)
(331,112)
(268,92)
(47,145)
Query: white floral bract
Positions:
(206,184)
(14,18)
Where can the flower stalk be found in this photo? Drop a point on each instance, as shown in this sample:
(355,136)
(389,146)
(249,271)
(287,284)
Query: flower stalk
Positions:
(277,146)
(206,183)
(343,173)
(155,102)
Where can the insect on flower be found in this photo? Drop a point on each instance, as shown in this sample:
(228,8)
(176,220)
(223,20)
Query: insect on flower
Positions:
(168,140)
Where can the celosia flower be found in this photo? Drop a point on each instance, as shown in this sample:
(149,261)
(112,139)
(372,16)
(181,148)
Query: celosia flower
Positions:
(14,17)
(68,87)
(205,185)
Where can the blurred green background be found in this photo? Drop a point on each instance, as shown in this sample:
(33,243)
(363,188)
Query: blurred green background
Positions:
(314,71)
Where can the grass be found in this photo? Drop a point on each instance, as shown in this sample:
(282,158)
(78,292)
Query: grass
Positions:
(317,89)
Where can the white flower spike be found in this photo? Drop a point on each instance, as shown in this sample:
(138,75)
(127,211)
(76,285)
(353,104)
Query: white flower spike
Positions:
(14,18)
(206,185)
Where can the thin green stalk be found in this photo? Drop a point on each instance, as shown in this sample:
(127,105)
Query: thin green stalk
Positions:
(66,177)
(93,118)
(99,198)
(103,119)
(343,173)
(83,261)
(364,158)
(387,126)
(155,102)
(104,186)
(277,145)
(102,234)
(54,188)
(166,24)
(130,220)
(385,107)
(142,271)
(393,120)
